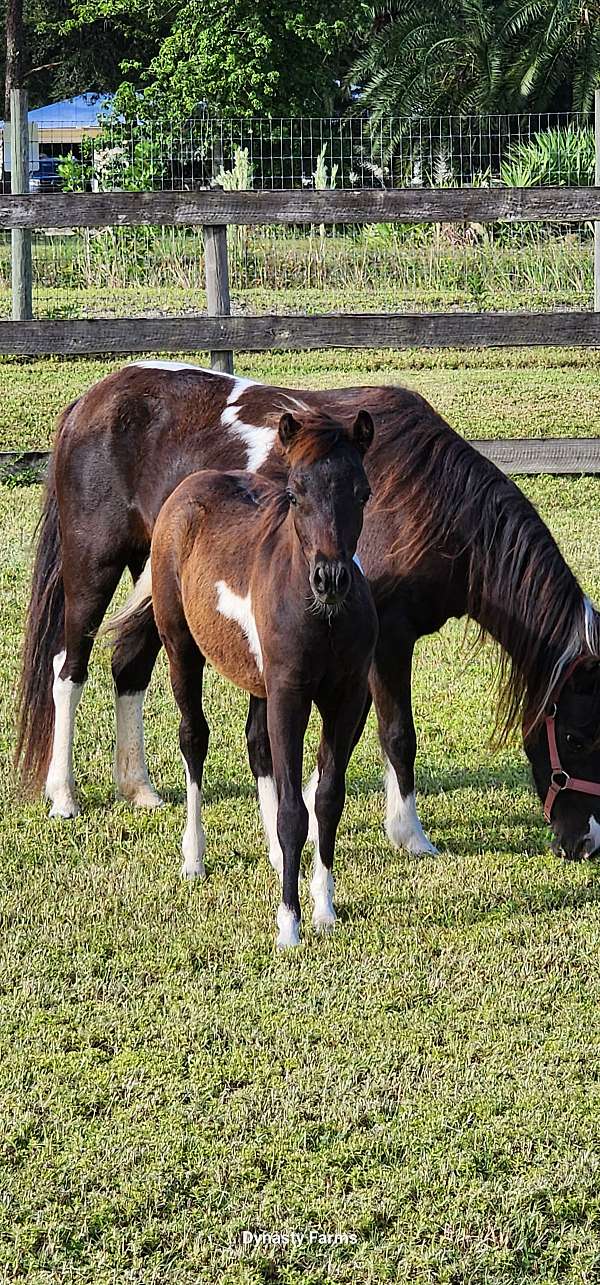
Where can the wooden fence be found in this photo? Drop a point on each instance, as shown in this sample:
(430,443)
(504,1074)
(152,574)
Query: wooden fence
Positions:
(221,333)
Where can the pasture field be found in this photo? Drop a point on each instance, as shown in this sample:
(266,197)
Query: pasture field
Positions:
(426,1081)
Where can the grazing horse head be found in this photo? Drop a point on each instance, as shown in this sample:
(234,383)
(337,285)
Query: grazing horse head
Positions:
(327,489)
(564,752)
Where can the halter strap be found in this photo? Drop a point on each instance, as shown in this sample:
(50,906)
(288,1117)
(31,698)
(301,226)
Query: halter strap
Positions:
(559,779)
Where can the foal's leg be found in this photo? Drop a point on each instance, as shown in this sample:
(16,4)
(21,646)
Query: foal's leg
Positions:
(287,718)
(342,714)
(186,664)
(390,682)
(89,587)
(261,764)
(132,664)
(310,789)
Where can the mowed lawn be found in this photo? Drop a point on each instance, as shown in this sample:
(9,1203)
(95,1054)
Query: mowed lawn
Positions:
(424,1084)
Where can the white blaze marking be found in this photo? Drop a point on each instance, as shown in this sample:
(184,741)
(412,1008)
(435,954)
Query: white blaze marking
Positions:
(193,844)
(289,928)
(267,798)
(60,787)
(358,563)
(402,824)
(130,771)
(234,607)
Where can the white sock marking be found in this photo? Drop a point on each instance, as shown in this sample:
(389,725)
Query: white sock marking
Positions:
(60,787)
(289,928)
(402,824)
(308,793)
(267,798)
(322,888)
(234,607)
(130,771)
(193,844)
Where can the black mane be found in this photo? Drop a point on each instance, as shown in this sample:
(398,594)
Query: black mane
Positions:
(520,589)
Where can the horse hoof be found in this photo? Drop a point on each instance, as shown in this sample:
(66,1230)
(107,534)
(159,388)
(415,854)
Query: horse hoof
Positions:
(64,809)
(193,870)
(421,847)
(142,796)
(289,929)
(324,924)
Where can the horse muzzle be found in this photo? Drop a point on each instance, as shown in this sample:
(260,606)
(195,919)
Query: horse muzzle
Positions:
(330,581)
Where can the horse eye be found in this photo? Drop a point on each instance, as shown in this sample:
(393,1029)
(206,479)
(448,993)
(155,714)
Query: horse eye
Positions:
(573,742)
(291,497)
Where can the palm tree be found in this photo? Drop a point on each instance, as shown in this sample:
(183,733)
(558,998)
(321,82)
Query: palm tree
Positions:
(433,56)
(557,52)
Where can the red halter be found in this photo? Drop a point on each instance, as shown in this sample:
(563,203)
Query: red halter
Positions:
(559,779)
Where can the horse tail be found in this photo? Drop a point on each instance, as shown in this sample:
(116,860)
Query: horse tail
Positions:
(123,627)
(44,638)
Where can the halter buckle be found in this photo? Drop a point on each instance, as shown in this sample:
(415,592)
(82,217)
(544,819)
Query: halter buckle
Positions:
(560,779)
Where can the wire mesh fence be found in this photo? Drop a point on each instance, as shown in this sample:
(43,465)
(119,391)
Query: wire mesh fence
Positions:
(160,271)
(541,148)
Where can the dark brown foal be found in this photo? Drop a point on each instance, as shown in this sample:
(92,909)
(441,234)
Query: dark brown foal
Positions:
(265,584)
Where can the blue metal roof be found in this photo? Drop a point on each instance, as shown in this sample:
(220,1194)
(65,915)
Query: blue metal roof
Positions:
(79,112)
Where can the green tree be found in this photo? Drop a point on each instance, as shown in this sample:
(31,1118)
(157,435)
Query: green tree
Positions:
(557,60)
(433,56)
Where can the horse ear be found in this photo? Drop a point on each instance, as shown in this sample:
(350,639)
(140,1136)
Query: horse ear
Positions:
(288,428)
(362,431)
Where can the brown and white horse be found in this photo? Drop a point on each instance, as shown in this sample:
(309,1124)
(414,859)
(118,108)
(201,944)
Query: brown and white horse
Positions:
(446,534)
(265,584)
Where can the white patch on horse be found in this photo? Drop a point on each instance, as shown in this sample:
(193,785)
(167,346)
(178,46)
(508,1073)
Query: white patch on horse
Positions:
(60,786)
(234,607)
(268,802)
(321,890)
(402,824)
(308,794)
(173,365)
(130,771)
(289,928)
(193,844)
(258,441)
(357,562)
(593,835)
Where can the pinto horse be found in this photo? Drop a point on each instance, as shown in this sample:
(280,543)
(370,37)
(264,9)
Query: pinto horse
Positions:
(446,534)
(264,583)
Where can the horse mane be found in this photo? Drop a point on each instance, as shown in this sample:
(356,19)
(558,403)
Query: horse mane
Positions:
(520,590)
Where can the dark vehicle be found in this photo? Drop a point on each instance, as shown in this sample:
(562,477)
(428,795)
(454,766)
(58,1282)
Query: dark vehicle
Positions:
(46,178)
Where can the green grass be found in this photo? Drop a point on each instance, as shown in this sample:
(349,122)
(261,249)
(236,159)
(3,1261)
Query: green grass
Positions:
(493,393)
(426,1080)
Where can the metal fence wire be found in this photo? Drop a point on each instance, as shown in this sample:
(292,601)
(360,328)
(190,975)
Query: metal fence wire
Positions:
(543,148)
(380,267)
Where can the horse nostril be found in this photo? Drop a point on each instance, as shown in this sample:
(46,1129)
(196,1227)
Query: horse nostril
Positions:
(320,578)
(342,580)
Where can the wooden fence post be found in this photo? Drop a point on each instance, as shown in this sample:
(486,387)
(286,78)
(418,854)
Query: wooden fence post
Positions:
(218,302)
(22,294)
(597,182)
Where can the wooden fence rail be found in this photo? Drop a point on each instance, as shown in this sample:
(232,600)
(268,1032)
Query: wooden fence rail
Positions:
(222,334)
(217,334)
(518,456)
(217,207)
